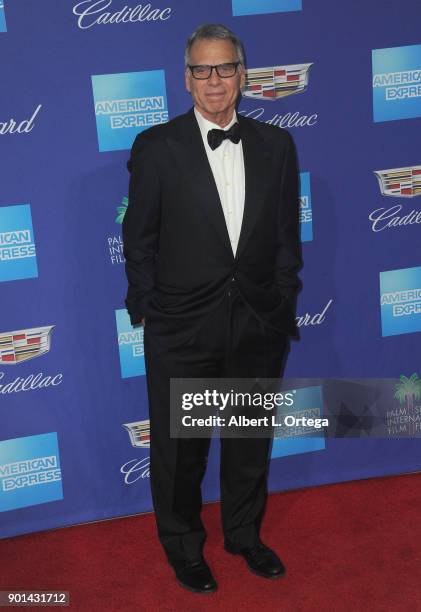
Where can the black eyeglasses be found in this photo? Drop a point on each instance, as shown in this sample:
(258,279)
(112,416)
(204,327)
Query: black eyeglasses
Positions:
(204,71)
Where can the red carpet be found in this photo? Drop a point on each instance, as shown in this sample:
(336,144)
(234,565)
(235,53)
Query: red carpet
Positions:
(353,546)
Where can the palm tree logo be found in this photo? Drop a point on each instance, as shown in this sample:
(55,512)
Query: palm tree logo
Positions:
(121,210)
(408,390)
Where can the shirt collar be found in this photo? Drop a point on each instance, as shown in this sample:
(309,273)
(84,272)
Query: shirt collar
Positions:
(205,125)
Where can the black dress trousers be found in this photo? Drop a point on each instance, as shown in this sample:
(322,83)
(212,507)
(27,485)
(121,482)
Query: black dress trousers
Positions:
(231,342)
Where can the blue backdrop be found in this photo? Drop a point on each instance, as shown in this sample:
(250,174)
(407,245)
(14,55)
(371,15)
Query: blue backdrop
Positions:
(79,80)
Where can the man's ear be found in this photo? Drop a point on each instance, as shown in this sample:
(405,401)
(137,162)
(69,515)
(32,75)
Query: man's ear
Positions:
(242,76)
(187,79)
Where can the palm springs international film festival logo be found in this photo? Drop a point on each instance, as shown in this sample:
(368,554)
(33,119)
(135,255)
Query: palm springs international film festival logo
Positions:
(115,241)
(30,471)
(400,301)
(396,83)
(306,212)
(3,27)
(17,244)
(405,419)
(139,433)
(130,345)
(254,7)
(126,104)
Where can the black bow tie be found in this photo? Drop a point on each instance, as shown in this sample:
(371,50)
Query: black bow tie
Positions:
(215,137)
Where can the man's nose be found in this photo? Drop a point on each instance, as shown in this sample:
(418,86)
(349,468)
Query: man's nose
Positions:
(214,79)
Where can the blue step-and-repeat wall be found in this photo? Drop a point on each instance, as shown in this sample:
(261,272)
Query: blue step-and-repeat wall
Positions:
(79,80)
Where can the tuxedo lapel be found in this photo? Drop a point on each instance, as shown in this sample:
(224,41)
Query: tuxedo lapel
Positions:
(256,169)
(190,152)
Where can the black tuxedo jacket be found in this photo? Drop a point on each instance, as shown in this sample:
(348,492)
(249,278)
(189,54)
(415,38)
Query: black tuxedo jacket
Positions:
(179,260)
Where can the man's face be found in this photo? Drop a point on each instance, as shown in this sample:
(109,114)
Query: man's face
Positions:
(215,98)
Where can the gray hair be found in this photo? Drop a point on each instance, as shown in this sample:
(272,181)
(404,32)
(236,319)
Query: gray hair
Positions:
(214,31)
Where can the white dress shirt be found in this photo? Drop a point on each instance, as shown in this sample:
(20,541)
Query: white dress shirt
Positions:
(227,166)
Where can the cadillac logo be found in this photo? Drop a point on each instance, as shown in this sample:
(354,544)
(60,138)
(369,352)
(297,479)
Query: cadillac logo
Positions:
(17,346)
(139,432)
(276,82)
(400,182)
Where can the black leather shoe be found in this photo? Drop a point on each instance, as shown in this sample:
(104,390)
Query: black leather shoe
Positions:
(195,576)
(261,560)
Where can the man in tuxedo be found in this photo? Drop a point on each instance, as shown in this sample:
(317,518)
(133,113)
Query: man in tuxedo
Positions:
(211,241)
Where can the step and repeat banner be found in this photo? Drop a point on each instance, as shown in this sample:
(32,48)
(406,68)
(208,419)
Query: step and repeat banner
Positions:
(79,80)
